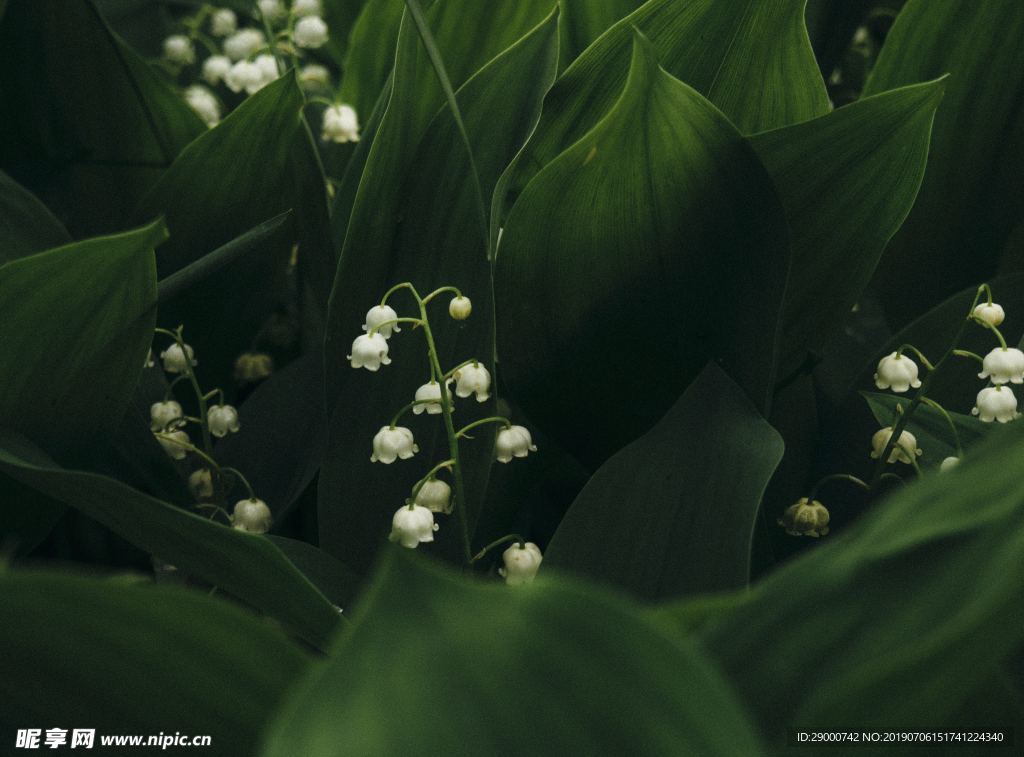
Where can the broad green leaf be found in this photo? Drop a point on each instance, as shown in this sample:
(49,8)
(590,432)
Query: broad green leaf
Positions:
(846,180)
(371,54)
(894,623)
(929,426)
(436,664)
(651,246)
(85,653)
(664,517)
(341,16)
(89,125)
(26,225)
(970,201)
(751,58)
(76,351)
(334,579)
(417,219)
(580,22)
(245,565)
(255,164)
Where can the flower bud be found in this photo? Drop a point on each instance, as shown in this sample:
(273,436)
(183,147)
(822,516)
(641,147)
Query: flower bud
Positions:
(310,32)
(897,372)
(202,101)
(177,361)
(902,450)
(271,9)
(369,352)
(381,314)
(412,526)
(174,443)
(996,403)
(223,420)
(340,125)
(948,464)
(215,68)
(164,414)
(805,518)
(179,49)
(315,76)
(251,515)
(431,391)
(200,483)
(244,43)
(1003,365)
(306,8)
(392,443)
(435,495)
(513,441)
(990,313)
(473,378)
(253,366)
(223,22)
(460,307)
(521,563)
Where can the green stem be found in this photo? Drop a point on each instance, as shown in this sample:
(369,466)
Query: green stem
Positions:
(990,327)
(497,543)
(441,290)
(391,322)
(463,364)
(968,353)
(430,474)
(952,426)
(245,482)
(170,387)
(395,288)
(493,419)
(410,406)
(920,355)
(837,477)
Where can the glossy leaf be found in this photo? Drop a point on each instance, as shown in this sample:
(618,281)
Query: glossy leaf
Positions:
(970,201)
(80,374)
(123,659)
(552,668)
(931,429)
(653,245)
(751,58)
(257,163)
(245,565)
(90,136)
(26,225)
(580,22)
(846,180)
(417,219)
(371,54)
(673,513)
(893,624)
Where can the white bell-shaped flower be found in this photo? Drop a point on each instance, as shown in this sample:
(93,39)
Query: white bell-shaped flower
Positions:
(521,563)
(244,43)
(903,450)
(370,352)
(435,495)
(174,443)
(203,102)
(460,307)
(473,379)
(805,518)
(996,403)
(948,463)
(430,396)
(215,68)
(176,360)
(897,372)
(379,314)
(179,49)
(990,313)
(200,483)
(1003,365)
(412,526)
(513,441)
(271,9)
(315,76)
(306,8)
(392,443)
(268,68)
(251,515)
(163,414)
(223,22)
(245,75)
(223,420)
(340,124)
(310,32)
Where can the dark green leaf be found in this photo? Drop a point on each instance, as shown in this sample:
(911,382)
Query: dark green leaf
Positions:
(580,22)
(335,580)
(121,659)
(846,180)
(436,664)
(970,200)
(371,54)
(76,350)
(26,225)
(893,624)
(242,564)
(89,125)
(341,16)
(417,219)
(652,245)
(930,428)
(664,516)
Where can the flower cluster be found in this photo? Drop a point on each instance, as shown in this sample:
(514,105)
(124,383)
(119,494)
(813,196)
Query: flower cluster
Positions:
(218,49)
(168,422)
(413,523)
